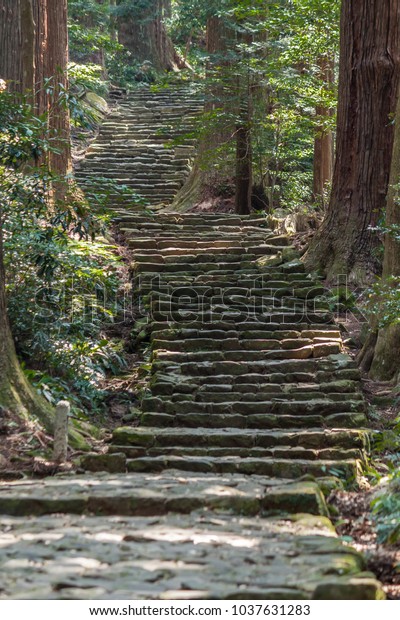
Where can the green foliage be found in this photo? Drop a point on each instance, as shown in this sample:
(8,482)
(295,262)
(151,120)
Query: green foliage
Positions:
(126,71)
(22,136)
(303,36)
(102,191)
(382,301)
(386,510)
(280,56)
(387,442)
(89,29)
(59,315)
(62,289)
(139,10)
(86,77)
(93,43)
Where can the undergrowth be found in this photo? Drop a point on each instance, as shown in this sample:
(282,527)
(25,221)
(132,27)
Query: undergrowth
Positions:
(385,473)
(59,319)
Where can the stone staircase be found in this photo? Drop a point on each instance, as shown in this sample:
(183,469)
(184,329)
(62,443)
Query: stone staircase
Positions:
(252,415)
(253,409)
(145,145)
(248,370)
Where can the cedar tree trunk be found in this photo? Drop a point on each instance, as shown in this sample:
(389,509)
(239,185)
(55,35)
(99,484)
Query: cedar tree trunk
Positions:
(386,362)
(323,141)
(56,68)
(146,37)
(368,78)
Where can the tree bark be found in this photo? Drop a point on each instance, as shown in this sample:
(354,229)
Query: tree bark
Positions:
(113,23)
(11,44)
(40,19)
(386,363)
(244,176)
(323,141)
(244,155)
(56,68)
(28,47)
(368,78)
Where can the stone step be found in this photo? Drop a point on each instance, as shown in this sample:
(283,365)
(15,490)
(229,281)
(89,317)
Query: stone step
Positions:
(212,219)
(262,328)
(152,245)
(140,495)
(292,370)
(257,287)
(202,231)
(129,170)
(252,389)
(274,467)
(262,343)
(208,317)
(256,421)
(303,352)
(251,275)
(203,395)
(194,556)
(319,406)
(199,438)
(202,256)
(188,301)
(254,381)
(333,454)
(249,251)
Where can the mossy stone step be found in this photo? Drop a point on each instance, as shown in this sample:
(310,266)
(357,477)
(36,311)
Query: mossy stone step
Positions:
(234,344)
(305,351)
(197,556)
(143,495)
(320,406)
(274,467)
(256,421)
(257,381)
(219,389)
(301,368)
(205,396)
(333,454)
(217,332)
(205,437)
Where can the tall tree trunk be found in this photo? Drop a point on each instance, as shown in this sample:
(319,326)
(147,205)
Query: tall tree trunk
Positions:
(244,156)
(147,38)
(40,19)
(323,141)
(16,66)
(210,169)
(11,57)
(28,47)
(113,23)
(244,176)
(56,68)
(368,78)
(386,362)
